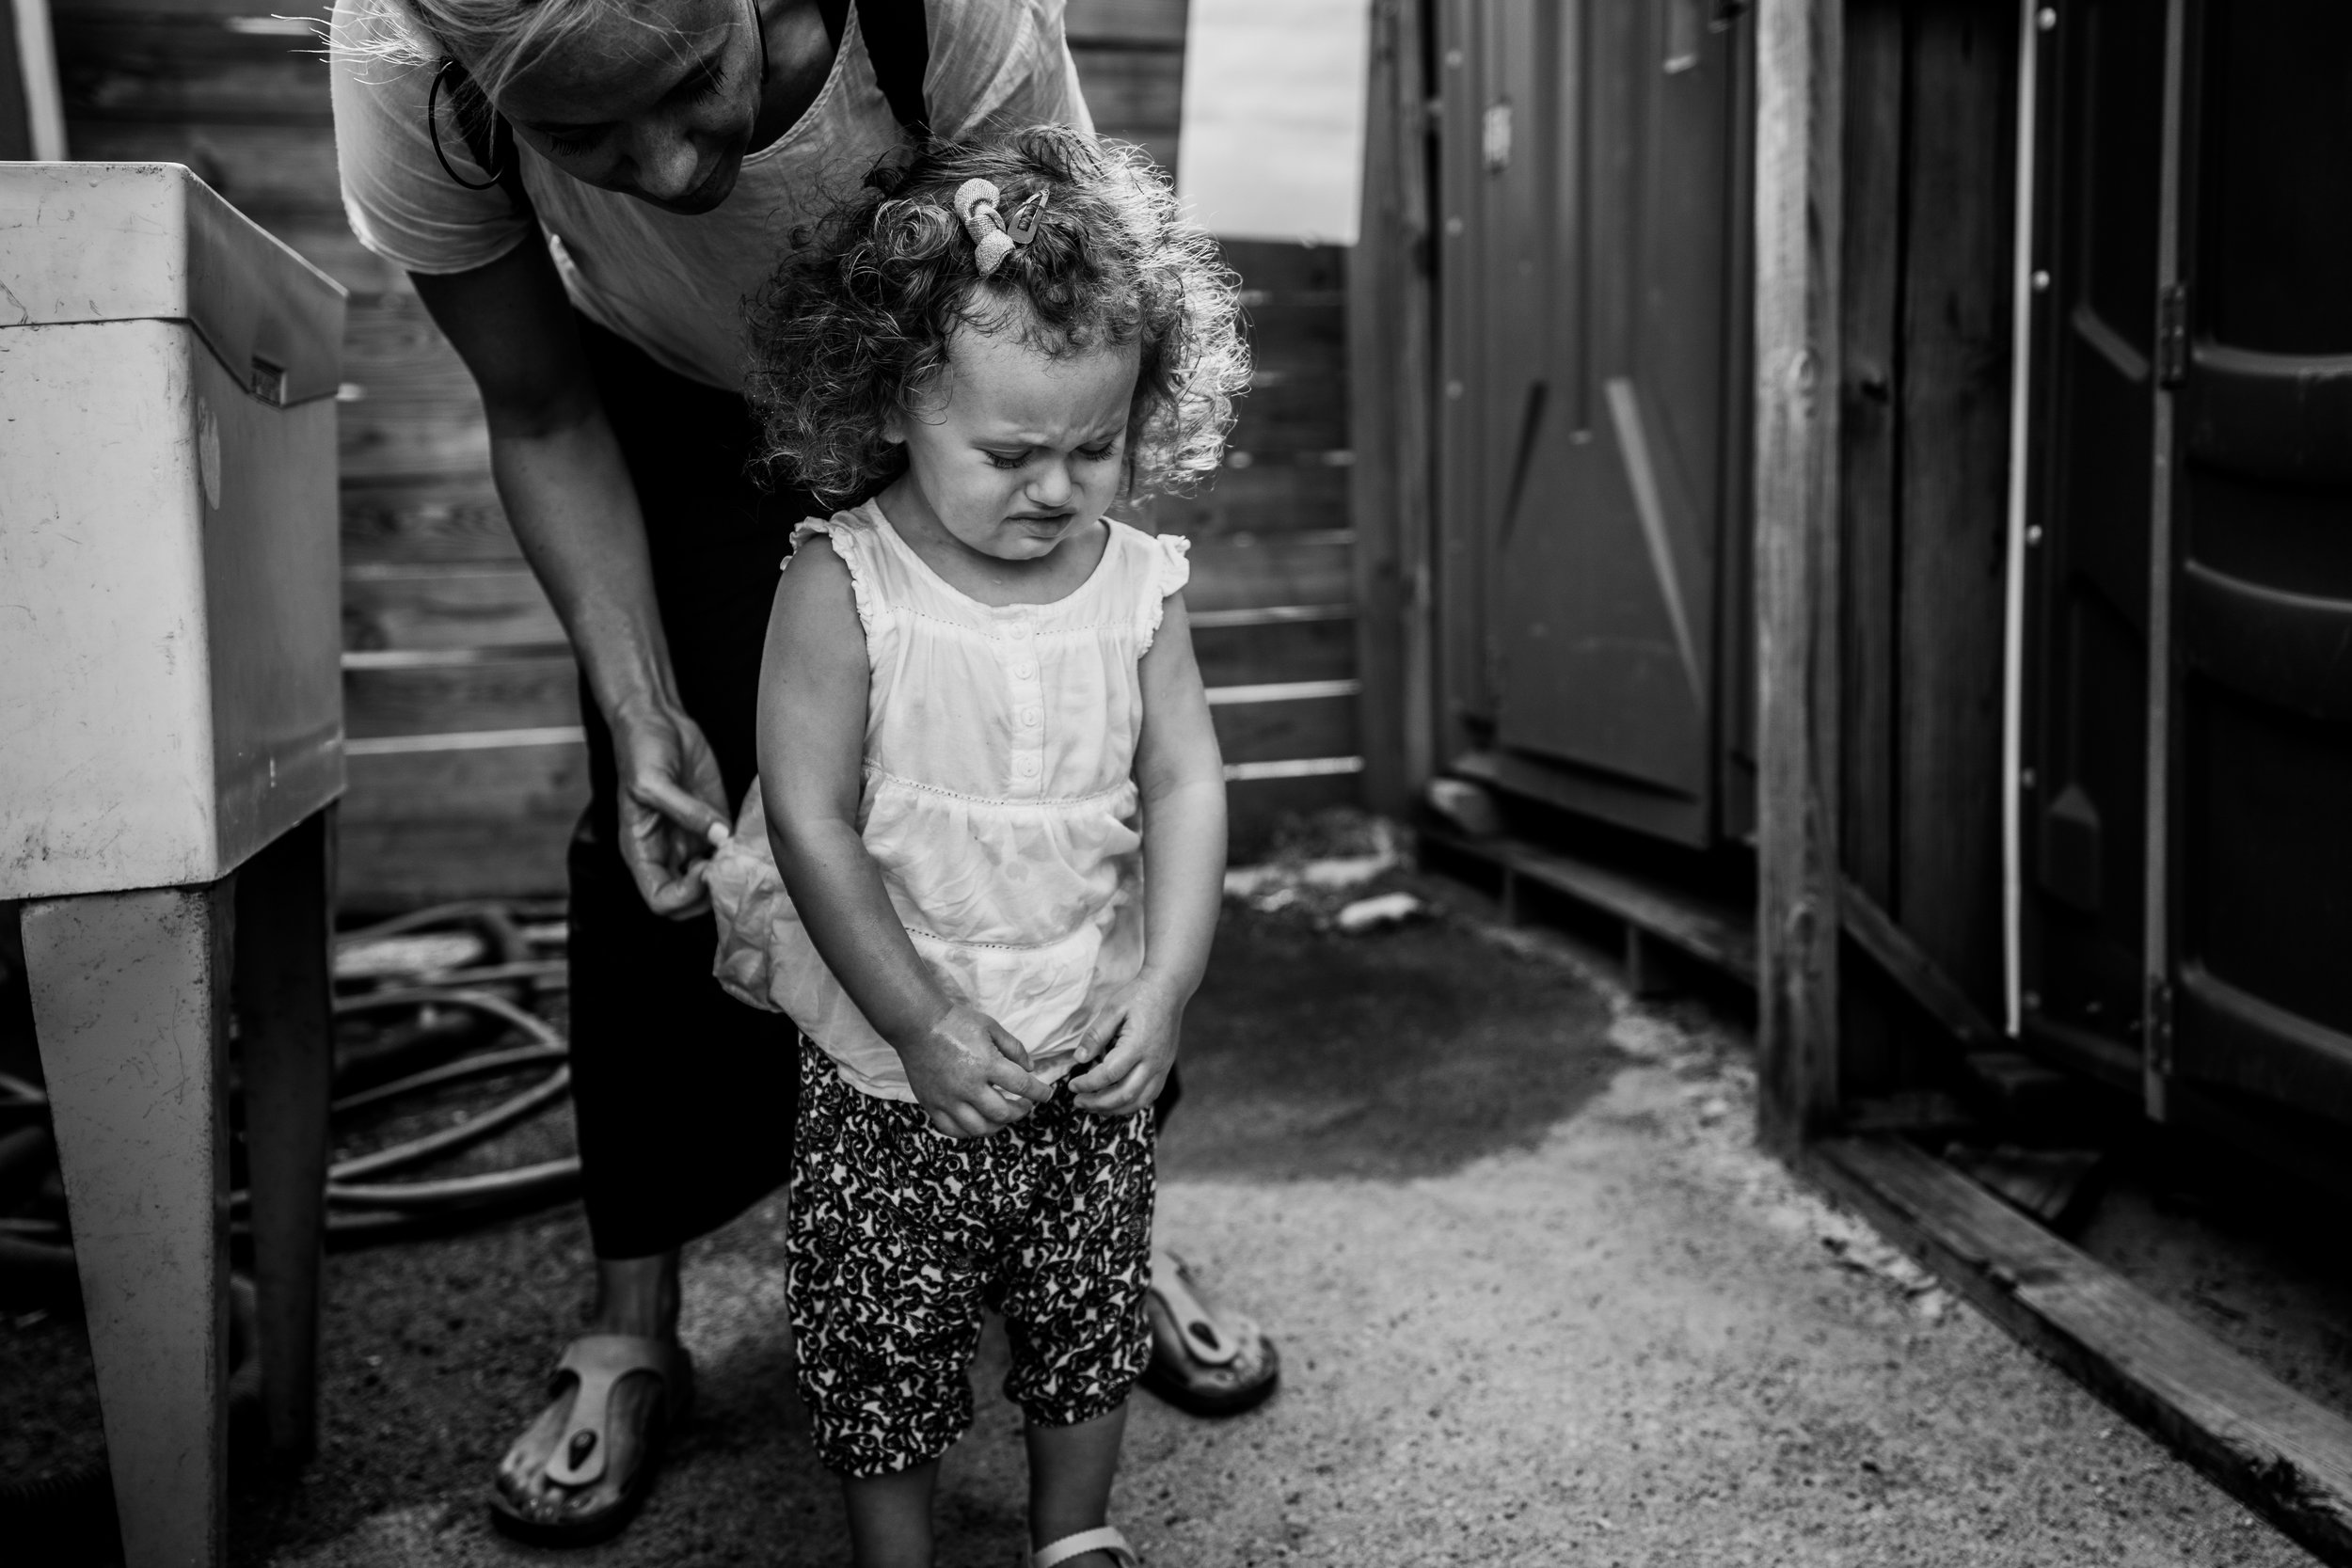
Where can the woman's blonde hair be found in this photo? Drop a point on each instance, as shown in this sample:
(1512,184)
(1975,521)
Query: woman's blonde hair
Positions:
(492,40)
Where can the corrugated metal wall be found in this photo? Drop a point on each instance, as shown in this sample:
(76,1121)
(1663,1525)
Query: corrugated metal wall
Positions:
(466,769)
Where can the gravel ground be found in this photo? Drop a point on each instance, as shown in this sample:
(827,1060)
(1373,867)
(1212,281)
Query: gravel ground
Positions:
(1540,1302)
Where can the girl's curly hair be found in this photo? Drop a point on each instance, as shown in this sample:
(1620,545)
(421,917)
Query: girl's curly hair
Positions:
(856,321)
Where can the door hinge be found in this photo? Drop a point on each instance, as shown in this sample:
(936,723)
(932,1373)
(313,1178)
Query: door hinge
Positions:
(2159,1026)
(2172,334)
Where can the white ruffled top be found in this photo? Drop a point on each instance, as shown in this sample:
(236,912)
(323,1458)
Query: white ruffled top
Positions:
(999,801)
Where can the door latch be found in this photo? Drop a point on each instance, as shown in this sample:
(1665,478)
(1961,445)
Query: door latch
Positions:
(2159,1027)
(2173,335)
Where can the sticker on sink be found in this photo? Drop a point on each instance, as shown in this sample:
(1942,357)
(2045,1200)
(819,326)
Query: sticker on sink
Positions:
(208,450)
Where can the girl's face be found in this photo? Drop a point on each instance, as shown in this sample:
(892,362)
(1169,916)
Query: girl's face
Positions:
(1016,450)
(658,107)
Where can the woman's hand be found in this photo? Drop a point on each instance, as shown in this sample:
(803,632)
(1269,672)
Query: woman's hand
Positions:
(671,801)
(1139,1027)
(971,1075)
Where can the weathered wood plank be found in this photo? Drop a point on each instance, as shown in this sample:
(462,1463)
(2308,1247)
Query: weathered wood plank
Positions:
(1274,732)
(1284,650)
(2275,1449)
(531,692)
(446,607)
(1917,975)
(1800,94)
(416,415)
(135,68)
(1955,488)
(439,519)
(1868,432)
(1245,572)
(1131,23)
(1390,419)
(1131,87)
(1720,937)
(1270,268)
(268,171)
(1281,495)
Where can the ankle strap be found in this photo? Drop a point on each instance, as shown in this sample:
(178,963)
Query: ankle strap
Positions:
(1104,1540)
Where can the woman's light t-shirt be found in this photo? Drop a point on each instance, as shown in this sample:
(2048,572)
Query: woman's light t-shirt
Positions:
(675,286)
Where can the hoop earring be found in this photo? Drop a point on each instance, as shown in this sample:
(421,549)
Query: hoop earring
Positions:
(432,132)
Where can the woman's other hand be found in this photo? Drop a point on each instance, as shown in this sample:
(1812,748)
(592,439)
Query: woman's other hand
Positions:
(1137,1027)
(971,1075)
(672,806)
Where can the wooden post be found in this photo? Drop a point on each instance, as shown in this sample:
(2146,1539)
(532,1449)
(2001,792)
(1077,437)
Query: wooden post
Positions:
(1388,316)
(1800,87)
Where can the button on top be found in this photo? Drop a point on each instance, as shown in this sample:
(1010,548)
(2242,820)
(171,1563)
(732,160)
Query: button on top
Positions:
(1018,631)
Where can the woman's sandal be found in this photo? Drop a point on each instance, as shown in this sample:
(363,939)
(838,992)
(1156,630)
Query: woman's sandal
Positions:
(598,1363)
(1104,1540)
(1204,1361)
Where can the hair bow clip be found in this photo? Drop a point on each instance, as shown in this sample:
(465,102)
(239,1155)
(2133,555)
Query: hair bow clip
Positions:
(975,207)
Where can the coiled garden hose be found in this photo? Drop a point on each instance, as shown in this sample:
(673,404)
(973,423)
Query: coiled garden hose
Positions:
(414,978)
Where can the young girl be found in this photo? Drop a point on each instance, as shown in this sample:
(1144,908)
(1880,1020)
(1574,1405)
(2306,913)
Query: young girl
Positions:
(981,724)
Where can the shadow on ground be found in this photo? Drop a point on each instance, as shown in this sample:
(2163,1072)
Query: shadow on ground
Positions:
(1400,1053)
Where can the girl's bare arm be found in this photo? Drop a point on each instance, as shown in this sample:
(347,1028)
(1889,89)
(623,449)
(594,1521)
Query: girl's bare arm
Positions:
(813,687)
(1182,779)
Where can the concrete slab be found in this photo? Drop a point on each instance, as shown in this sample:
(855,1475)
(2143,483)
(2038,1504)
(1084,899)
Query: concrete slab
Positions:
(1539,1298)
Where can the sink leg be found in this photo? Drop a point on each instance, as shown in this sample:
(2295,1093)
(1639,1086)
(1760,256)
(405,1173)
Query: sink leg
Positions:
(285,1044)
(130,1004)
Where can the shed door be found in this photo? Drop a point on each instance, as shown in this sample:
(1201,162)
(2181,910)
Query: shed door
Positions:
(2238,379)
(2085,843)
(1588,334)
(2263,606)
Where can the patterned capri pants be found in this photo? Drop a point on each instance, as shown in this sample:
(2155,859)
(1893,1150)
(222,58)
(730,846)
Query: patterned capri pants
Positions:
(901,1235)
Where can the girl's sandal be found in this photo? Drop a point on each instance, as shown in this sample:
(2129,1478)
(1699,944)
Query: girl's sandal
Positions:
(1069,1547)
(598,1363)
(1204,1361)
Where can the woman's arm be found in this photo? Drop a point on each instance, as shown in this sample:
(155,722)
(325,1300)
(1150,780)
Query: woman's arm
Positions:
(813,687)
(568,494)
(1182,780)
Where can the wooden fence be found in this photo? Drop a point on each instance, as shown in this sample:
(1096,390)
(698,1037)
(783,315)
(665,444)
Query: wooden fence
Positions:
(466,766)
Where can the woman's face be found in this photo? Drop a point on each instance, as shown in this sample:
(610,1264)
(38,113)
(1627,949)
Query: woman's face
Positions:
(659,106)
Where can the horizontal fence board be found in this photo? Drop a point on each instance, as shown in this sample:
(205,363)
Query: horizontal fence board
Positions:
(1280,651)
(1272,268)
(446,607)
(1131,86)
(385,866)
(507,783)
(1287,417)
(1128,22)
(420,521)
(129,68)
(267,170)
(1276,732)
(1270,498)
(532,691)
(1271,569)
(253,13)
(414,413)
